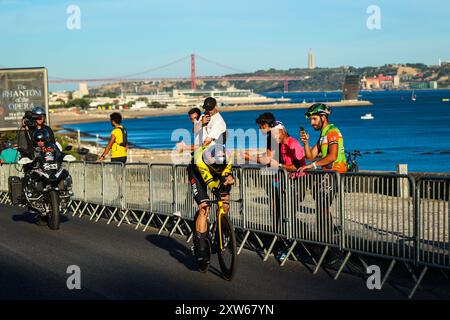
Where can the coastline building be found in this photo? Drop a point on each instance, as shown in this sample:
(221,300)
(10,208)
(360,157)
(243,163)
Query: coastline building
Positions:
(443,63)
(82,90)
(56,98)
(380,82)
(424,85)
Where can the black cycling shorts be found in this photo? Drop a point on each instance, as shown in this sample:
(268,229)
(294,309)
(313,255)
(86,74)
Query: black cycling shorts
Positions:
(324,191)
(199,187)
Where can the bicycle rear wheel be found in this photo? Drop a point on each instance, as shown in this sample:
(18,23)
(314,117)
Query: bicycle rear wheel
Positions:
(227,256)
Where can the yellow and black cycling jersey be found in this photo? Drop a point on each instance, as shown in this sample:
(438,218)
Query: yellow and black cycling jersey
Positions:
(211,174)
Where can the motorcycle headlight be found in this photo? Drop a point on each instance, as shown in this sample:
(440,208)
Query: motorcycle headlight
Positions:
(67,182)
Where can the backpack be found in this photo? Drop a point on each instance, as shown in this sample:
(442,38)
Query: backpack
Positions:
(124,137)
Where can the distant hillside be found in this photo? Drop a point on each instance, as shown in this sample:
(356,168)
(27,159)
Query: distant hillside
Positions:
(318,79)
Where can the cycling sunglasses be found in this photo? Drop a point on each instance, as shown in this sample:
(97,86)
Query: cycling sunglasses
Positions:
(309,114)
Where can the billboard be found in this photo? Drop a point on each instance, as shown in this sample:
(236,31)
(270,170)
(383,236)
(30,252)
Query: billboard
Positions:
(21,90)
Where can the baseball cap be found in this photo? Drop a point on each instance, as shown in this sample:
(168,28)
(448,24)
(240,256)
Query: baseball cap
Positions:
(209,103)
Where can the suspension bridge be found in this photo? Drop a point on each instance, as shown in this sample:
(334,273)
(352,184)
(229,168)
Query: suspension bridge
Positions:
(142,76)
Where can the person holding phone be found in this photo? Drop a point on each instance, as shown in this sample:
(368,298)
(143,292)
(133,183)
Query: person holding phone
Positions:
(214,127)
(331,153)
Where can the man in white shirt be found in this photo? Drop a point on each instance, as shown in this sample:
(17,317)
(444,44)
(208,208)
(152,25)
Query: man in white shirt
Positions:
(215,128)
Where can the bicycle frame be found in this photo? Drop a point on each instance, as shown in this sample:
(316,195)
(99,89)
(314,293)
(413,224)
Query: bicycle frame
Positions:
(220,212)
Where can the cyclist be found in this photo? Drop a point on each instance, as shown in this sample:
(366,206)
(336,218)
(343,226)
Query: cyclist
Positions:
(211,169)
(330,148)
(330,144)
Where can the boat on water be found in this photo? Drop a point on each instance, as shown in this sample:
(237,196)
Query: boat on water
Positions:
(367,116)
(413,96)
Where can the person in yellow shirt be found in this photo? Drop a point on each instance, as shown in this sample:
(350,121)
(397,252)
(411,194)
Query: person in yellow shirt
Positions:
(118,142)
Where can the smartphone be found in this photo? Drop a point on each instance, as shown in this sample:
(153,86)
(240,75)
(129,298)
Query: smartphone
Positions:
(302,129)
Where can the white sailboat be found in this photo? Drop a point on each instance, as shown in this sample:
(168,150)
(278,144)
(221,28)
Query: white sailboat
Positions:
(413,96)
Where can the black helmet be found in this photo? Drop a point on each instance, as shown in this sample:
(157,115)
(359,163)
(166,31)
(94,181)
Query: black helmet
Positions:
(215,156)
(41,135)
(209,103)
(39,111)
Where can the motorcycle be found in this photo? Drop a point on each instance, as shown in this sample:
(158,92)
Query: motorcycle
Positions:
(46,187)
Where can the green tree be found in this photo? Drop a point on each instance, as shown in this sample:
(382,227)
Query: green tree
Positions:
(81,103)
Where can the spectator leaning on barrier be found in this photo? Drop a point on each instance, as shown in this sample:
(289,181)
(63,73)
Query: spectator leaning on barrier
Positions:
(330,149)
(292,157)
(292,154)
(9,154)
(118,143)
(330,145)
(194,116)
(266,122)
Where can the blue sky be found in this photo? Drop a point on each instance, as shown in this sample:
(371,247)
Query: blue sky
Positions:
(124,37)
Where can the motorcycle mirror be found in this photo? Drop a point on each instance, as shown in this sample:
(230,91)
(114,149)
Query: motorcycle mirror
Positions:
(68,148)
(69,158)
(25,161)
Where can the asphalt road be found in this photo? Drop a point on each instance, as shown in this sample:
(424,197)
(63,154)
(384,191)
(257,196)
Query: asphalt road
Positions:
(121,263)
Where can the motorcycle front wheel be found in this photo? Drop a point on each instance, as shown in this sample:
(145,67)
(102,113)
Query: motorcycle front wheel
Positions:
(53,219)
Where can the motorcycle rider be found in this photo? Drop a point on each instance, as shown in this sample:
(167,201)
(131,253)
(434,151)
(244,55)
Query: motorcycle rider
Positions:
(32,121)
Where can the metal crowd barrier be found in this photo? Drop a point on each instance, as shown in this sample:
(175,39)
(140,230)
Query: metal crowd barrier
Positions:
(378,217)
(378,212)
(76,170)
(236,207)
(184,202)
(4,174)
(162,186)
(433,197)
(263,192)
(113,175)
(387,216)
(136,191)
(314,207)
(136,188)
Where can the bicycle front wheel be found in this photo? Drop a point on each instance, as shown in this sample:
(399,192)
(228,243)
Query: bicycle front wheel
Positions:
(228,253)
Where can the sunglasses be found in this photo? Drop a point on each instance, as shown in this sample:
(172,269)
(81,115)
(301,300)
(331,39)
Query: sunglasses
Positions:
(309,114)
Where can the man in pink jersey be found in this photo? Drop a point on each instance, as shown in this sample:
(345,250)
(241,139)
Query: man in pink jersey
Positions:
(292,157)
(292,154)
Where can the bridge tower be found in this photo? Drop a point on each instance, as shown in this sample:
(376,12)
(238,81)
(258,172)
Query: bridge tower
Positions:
(193,78)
